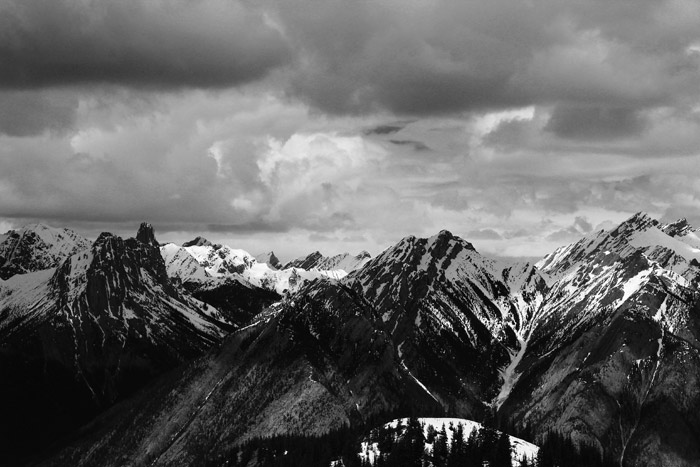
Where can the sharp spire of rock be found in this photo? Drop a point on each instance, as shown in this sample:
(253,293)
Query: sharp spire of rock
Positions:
(146,234)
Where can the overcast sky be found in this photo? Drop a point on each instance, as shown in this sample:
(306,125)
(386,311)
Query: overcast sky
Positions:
(342,125)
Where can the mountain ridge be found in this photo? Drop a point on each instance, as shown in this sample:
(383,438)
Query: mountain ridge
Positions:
(600,341)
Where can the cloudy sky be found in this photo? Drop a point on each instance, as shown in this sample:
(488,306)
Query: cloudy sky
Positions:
(345,125)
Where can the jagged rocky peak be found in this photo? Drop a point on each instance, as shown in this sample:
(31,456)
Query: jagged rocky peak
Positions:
(446,238)
(104,236)
(603,246)
(679,228)
(443,255)
(270,259)
(147,235)
(309,261)
(117,263)
(198,241)
(442,245)
(35,247)
(639,222)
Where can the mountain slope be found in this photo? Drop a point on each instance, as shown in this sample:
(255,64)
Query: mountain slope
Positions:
(317,364)
(614,358)
(452,314)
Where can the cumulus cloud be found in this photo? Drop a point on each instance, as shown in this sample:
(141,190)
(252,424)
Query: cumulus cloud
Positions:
(318,179)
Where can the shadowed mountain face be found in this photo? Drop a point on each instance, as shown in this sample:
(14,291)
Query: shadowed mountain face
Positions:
(75,339)
(598,341)
(318,363)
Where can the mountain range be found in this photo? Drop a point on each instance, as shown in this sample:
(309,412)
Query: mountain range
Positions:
(131,352)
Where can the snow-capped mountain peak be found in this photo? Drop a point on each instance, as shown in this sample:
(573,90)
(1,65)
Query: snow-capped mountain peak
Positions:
(678,228)
(37,246)
(674,246)
(342,262)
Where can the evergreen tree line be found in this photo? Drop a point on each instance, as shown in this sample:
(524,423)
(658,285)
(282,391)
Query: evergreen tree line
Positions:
(414,446)
(558,450)
(407,444)
(295,450)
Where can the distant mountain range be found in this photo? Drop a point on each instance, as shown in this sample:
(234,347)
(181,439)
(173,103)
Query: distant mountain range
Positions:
(177,354)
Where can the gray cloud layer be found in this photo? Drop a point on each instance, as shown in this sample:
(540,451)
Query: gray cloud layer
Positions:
(417,58)
(350,119)
(135,43)
(29,113)
(426,58)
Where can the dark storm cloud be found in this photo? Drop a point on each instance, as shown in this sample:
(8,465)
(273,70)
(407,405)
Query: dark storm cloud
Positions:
(595,122)
(134,42)
(410,58)
(29,114)
(429,58)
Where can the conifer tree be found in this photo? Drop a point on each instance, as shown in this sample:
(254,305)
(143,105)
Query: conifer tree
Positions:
(502,454)
(440,448)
